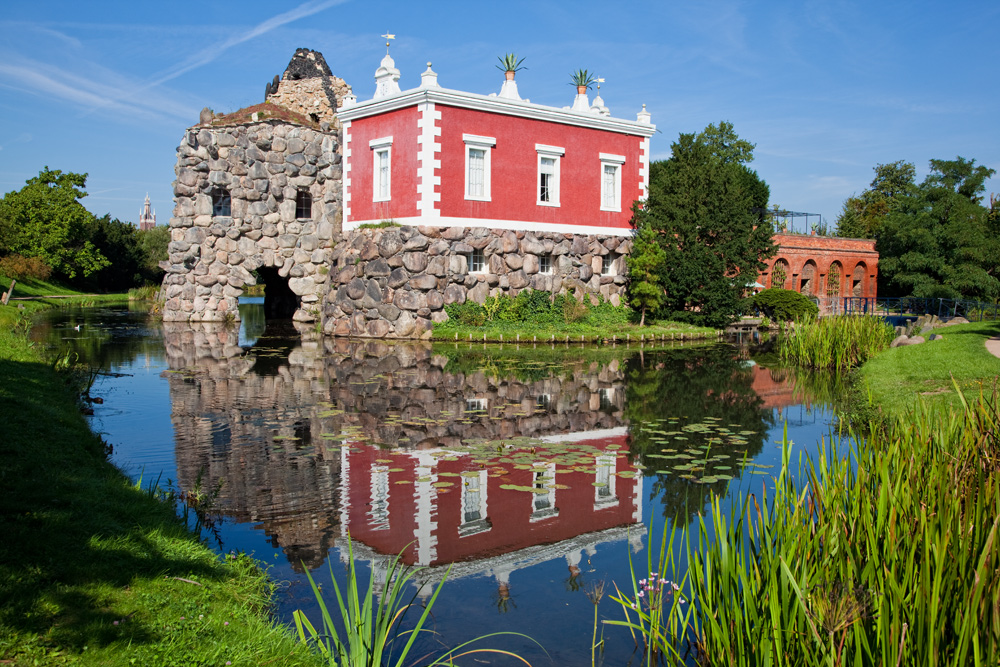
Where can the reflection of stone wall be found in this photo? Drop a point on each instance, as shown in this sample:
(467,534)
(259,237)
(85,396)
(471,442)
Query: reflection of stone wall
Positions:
(226,419)
(394,282)
(373,380)
(255,419)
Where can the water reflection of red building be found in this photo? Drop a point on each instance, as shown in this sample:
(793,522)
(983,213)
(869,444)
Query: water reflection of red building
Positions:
(394,502)
(776,389)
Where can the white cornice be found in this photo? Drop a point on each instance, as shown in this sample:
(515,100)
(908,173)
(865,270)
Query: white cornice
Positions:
(490,223)
(508,107)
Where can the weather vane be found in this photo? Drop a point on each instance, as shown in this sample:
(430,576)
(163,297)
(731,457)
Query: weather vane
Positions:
(387,36)
(600,80)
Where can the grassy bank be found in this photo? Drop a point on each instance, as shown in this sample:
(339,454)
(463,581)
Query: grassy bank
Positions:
(527,332)
(96,571)
(896,379)
(30,297)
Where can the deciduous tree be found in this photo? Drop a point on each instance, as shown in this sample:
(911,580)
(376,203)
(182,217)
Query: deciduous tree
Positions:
(45,219)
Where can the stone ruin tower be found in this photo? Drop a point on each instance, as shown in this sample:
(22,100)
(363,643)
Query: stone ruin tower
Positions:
(258,195)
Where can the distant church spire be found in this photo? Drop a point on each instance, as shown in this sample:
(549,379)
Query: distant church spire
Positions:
(147,217)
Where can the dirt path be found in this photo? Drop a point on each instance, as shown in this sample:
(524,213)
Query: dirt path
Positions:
(993,346)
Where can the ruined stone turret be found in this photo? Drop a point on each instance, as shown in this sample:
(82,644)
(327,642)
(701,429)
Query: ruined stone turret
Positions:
(308,87)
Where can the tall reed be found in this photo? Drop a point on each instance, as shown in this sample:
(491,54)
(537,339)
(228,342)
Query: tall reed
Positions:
(364,628)
(885,553)
(839,343)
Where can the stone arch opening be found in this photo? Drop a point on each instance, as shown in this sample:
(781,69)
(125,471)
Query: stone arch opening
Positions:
(280,302)
(807,278)
(858,279)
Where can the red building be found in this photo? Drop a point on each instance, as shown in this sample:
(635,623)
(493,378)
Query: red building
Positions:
(446,158)
(825,267)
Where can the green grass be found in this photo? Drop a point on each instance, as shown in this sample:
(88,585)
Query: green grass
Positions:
(96,571)
(527,332)
(898,377)
(18,313)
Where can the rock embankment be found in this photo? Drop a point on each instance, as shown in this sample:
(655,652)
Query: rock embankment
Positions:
(394,282)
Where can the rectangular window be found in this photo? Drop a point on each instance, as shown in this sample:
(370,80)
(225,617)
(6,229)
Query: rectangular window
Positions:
(545,263)
(611,182)
(607,265)
(381,168)
(222,202)
(303,205)
(477,166)
(548,174)
(477,261)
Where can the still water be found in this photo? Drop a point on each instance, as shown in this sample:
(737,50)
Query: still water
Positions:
(525,474)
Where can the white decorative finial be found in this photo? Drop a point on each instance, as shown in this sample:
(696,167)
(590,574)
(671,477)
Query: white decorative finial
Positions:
(429,78)
(644,116)
(387,36)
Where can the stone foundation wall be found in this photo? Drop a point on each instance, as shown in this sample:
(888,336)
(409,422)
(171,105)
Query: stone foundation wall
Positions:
(394,282)
(262,165)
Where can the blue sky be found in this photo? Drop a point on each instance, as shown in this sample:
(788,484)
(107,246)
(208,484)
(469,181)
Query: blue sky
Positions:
(826,89)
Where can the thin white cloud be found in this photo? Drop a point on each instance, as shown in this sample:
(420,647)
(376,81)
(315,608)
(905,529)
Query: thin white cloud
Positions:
(209,54)
(105,90)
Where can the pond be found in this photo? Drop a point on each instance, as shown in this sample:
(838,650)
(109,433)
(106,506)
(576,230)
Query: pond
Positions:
(525,474)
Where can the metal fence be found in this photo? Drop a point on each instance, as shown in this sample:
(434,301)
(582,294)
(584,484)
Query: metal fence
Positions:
(974,311)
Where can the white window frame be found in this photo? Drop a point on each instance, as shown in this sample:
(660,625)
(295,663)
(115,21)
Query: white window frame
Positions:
(381,146)
(472,261)
(543,505)
(474,490)
(486,145)
(608,265)
(545,264)
(615,162)
(555,154)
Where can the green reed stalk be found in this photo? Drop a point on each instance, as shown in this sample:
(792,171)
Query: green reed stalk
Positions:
(839,342)
(884,551)
(369,621)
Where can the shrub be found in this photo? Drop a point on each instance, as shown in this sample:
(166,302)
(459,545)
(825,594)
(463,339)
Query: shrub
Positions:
(25,268)
(784,305)
(469,313)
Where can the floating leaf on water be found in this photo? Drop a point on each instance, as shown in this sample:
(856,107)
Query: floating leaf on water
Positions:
(441,485)
(395,469)
(599,483)
(448,474)
(723,476)
(626,473)
(424,479)
(403,481)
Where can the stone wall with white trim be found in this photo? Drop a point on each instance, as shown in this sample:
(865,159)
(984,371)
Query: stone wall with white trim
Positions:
(262,165)
(394,282)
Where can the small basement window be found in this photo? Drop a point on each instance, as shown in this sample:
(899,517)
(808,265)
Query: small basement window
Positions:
(607,265)
(303,205)
(545,263)
(222,202)
(477,261)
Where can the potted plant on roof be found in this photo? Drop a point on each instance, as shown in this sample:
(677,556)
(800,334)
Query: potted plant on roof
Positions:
(583,80)
(510,63)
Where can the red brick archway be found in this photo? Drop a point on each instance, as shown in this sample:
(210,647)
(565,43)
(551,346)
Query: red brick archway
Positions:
(809,261)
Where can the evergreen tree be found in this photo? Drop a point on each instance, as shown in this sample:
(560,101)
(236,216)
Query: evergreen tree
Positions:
(939,241)
(706,210)
(644,264)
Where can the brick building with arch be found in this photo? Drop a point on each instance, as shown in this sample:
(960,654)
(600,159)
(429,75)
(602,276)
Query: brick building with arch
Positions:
(825,267)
